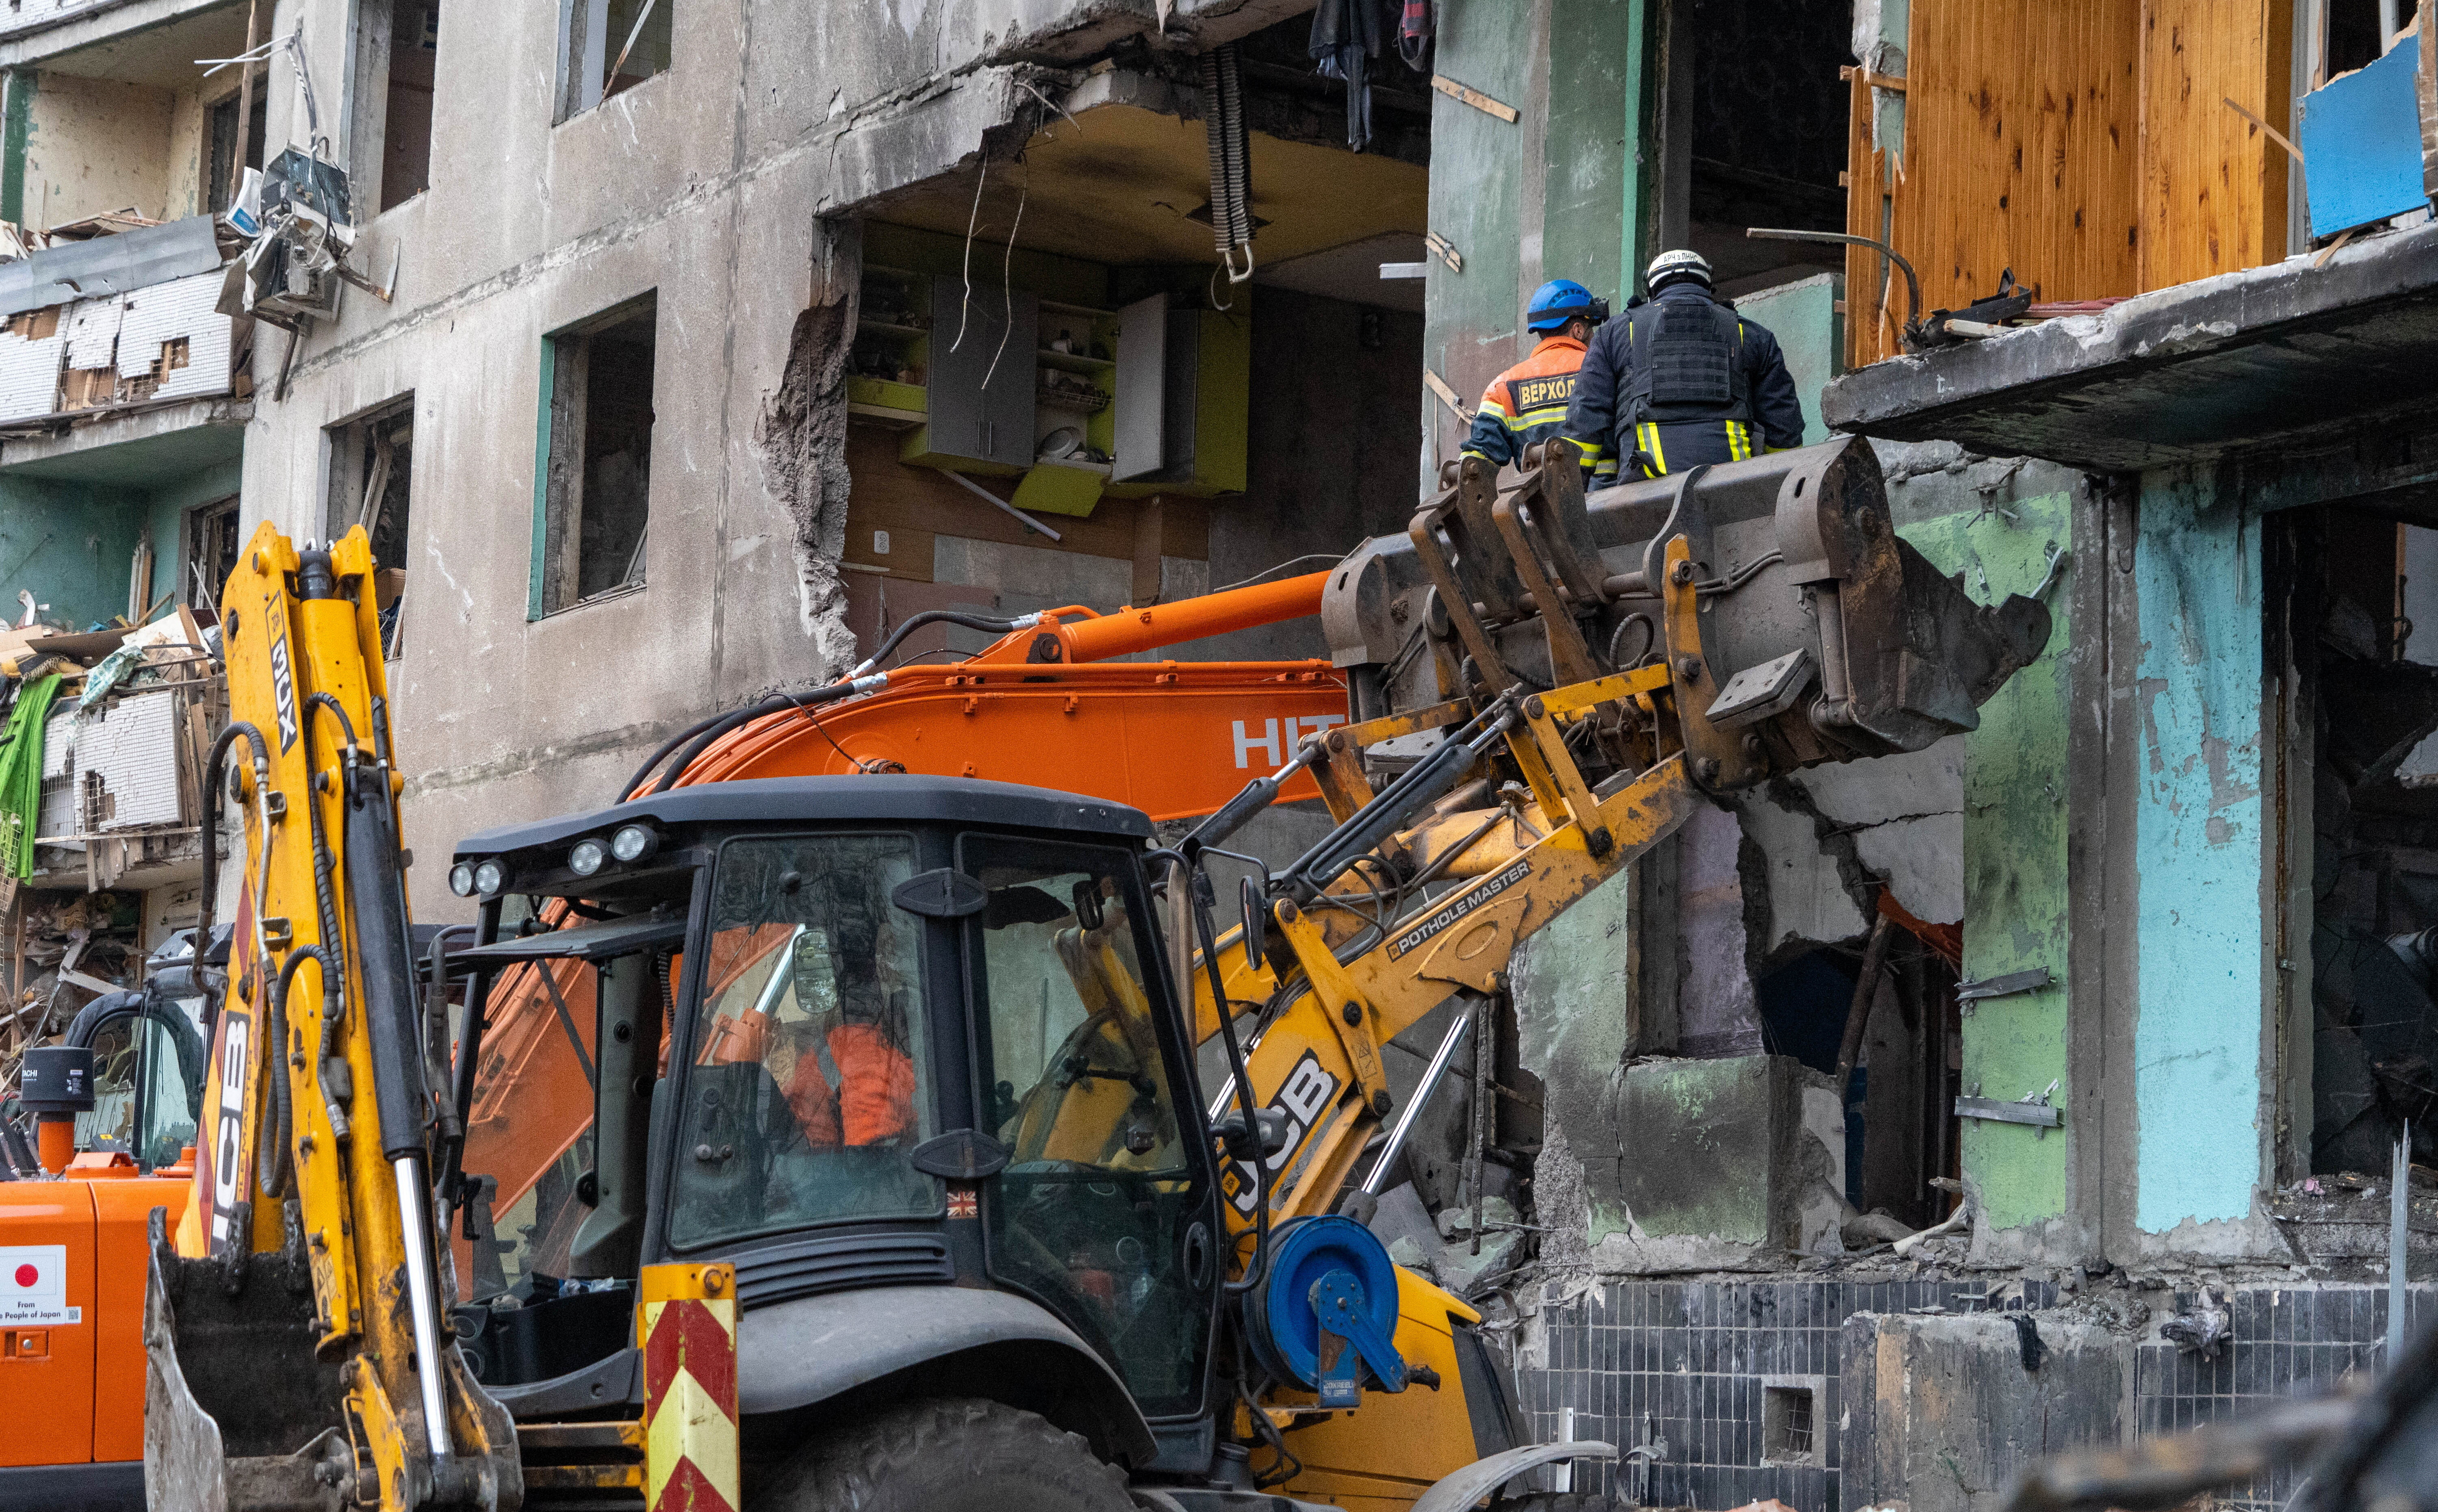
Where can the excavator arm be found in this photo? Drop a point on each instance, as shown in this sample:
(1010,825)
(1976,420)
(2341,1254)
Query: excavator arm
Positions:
(297,1352)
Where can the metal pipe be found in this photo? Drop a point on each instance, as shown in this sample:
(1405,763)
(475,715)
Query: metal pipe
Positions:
(1241,609)
(1422,1095)
(422,1296)
(1912,280)
(1836,684)
(2399,1207)
(996,503)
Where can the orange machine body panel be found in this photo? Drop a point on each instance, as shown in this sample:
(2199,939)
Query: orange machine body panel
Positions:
(74,1389)
(1174,739)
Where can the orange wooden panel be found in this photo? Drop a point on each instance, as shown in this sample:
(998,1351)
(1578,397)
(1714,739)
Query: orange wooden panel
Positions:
(2213,183)
(2020,127)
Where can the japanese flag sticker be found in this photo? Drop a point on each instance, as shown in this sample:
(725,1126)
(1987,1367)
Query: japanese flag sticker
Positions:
(34,1285)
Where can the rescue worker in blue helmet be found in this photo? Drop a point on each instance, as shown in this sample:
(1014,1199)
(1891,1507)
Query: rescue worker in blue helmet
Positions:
(1527,402)
(1680,380)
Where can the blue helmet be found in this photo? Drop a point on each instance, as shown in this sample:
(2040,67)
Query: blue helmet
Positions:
(1559,301)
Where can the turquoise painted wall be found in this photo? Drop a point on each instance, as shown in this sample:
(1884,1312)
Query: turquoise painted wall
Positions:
(166,512)
(2198,850)
(72,544)
(2015,797)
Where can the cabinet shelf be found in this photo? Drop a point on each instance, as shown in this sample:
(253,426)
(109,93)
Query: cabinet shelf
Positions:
(1076,362)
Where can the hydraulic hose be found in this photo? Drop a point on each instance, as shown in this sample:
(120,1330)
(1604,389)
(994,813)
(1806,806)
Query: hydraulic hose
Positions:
(777,703)
(271,1158)
(336,1083)
(205,909)
(861,679)
(1184,875)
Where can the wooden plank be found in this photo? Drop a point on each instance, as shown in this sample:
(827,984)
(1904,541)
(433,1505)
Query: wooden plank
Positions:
(2021,149)
(1448,396)
(2213,183)
(2425,94)
(1473,97)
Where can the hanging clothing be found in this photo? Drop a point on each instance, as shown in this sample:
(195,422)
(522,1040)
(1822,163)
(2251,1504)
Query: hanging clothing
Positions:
(1415,32)
(21,775)
(1346,36)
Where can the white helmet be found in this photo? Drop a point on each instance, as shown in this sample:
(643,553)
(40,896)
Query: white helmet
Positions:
(1675,267)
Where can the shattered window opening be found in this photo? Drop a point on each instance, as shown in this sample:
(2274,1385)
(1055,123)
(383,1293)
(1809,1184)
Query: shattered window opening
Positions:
(596,491)
(608,46)
(372,464)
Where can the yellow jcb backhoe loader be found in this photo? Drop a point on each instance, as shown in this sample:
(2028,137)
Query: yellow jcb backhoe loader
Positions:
(913,1057)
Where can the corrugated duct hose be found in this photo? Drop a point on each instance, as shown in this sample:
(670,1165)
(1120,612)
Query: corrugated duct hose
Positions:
(1231,162)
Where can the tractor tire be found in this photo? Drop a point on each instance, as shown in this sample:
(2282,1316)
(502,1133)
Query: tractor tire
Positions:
(1563,1501)
(957,1455)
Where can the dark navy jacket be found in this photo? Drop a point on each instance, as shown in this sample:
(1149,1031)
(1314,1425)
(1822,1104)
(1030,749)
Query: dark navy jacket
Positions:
(1672,445)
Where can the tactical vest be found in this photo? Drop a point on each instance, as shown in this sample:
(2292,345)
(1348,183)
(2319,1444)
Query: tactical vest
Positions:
(1685,365)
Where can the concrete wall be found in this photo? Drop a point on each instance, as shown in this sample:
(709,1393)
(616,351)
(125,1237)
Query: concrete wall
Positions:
(96,144)
(697,184)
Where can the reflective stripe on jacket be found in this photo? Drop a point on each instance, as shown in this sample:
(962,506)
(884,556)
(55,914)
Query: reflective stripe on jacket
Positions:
(1526,404)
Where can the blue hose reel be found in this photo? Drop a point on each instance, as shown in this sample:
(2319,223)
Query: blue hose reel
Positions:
(1325,1313)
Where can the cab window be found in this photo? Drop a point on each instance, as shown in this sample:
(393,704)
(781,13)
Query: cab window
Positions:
(811,1080)
(1095,1211)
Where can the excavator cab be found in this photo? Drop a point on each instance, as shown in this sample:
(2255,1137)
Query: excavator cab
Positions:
(901,1050)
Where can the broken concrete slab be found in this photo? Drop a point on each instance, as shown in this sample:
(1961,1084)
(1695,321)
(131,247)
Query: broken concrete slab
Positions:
(1712,1165)
(1942,1413)
(2238,362)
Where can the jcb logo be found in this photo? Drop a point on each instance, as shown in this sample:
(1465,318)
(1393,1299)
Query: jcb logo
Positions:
(228,1139)
(1279,745)
(1307,1093)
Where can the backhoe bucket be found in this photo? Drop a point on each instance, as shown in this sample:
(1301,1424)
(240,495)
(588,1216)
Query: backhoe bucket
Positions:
(240,1417)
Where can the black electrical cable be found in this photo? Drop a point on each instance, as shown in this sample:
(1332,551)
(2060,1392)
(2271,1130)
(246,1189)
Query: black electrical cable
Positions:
(274,1171)
(703,732)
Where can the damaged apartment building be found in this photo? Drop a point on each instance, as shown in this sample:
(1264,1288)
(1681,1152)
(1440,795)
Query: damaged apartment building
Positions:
(672,352)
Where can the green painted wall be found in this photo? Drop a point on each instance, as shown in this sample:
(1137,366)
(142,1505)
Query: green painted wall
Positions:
(2016,792)
(1803,316)
(1473,320)
(1594,179)
(70,544)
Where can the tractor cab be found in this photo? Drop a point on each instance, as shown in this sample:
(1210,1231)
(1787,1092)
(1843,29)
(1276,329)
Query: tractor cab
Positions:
(900,1049)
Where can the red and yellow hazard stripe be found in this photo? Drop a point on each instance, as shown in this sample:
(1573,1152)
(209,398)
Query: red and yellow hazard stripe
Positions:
(687,1317)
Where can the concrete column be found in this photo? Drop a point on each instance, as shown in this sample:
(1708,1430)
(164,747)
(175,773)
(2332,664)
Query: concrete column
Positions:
(2019,808)
(2203,1085)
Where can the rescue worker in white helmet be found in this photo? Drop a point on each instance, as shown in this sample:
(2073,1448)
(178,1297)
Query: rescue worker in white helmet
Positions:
(1680,380)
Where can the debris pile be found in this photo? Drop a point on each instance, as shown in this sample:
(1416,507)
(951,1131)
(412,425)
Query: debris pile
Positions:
(104,737)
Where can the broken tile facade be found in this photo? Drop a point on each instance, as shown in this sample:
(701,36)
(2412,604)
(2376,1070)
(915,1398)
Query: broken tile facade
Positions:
(650,422)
